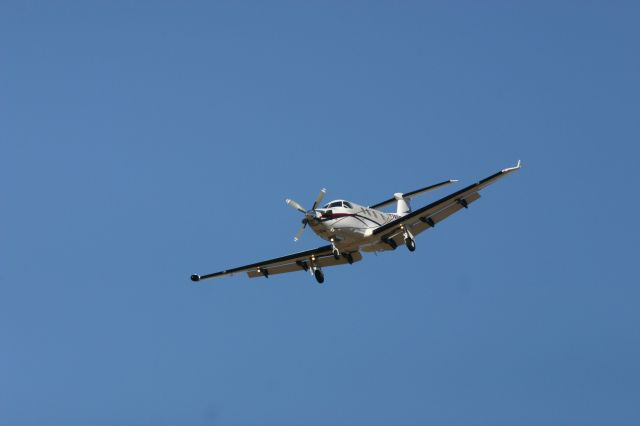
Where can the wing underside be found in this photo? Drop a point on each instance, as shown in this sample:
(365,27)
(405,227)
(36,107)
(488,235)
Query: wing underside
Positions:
(302,261)
(303,265)
(428,216)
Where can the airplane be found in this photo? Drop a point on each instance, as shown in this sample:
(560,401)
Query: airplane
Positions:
(351,229)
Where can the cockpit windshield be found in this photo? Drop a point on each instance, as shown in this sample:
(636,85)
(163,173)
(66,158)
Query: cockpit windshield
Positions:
(344,204)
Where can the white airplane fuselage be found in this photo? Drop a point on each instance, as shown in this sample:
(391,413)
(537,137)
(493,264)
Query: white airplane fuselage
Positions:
(349,225)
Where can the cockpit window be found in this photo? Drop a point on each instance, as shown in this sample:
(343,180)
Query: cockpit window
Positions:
(347,205)
(336,204)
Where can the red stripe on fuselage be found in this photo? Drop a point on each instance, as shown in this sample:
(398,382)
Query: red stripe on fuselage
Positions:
(336,215)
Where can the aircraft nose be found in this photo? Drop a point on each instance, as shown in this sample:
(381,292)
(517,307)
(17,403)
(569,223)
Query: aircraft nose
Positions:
(314,214)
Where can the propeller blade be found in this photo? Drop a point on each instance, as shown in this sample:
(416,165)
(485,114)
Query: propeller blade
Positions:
(319,198)
(299,234)
(295,205)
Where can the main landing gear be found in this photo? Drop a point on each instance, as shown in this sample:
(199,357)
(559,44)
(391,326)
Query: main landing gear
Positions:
(411,244)
(408,239)
(313,266)
(314,269)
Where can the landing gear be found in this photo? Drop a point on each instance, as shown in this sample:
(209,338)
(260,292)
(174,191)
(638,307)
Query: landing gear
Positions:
(316,271)
(408,238)
(411,244)
(335,251)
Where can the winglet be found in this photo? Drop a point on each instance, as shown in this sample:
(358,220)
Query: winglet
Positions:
(510,169)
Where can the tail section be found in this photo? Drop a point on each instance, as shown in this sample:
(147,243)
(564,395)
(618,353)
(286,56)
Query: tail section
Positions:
(404,204)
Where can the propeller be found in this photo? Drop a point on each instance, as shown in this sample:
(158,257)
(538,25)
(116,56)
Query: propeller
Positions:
(307,213)
(296,206)
(319,198)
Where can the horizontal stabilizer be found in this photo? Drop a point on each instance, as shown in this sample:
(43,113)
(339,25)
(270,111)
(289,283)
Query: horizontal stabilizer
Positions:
(413,193)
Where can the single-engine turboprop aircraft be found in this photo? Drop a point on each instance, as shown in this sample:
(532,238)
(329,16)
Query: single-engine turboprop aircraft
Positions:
(351,228)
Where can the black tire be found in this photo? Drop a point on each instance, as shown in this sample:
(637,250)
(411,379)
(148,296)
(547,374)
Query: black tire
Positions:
(336,254)
(411,244)
(348,257)
(319,276)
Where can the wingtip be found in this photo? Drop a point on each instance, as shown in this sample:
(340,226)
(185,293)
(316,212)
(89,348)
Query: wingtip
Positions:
(511,169)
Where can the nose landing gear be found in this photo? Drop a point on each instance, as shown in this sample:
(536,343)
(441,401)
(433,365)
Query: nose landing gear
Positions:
(335,251)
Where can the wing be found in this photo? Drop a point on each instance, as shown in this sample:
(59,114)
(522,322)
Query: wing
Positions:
(413,193)
(302,261)
(428,216)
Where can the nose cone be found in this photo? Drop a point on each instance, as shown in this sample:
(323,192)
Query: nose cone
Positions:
(313,214)
(315,220)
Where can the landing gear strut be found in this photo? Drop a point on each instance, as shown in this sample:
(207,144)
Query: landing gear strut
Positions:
(335,251)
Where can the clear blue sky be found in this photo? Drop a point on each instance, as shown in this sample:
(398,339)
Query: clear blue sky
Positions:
(145,141)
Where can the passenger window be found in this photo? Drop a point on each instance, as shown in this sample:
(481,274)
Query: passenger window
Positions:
(347,205)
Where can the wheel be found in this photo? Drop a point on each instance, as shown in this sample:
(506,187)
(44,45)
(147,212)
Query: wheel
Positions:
(411,244)
(348,257)
(336,254)
(319,276)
